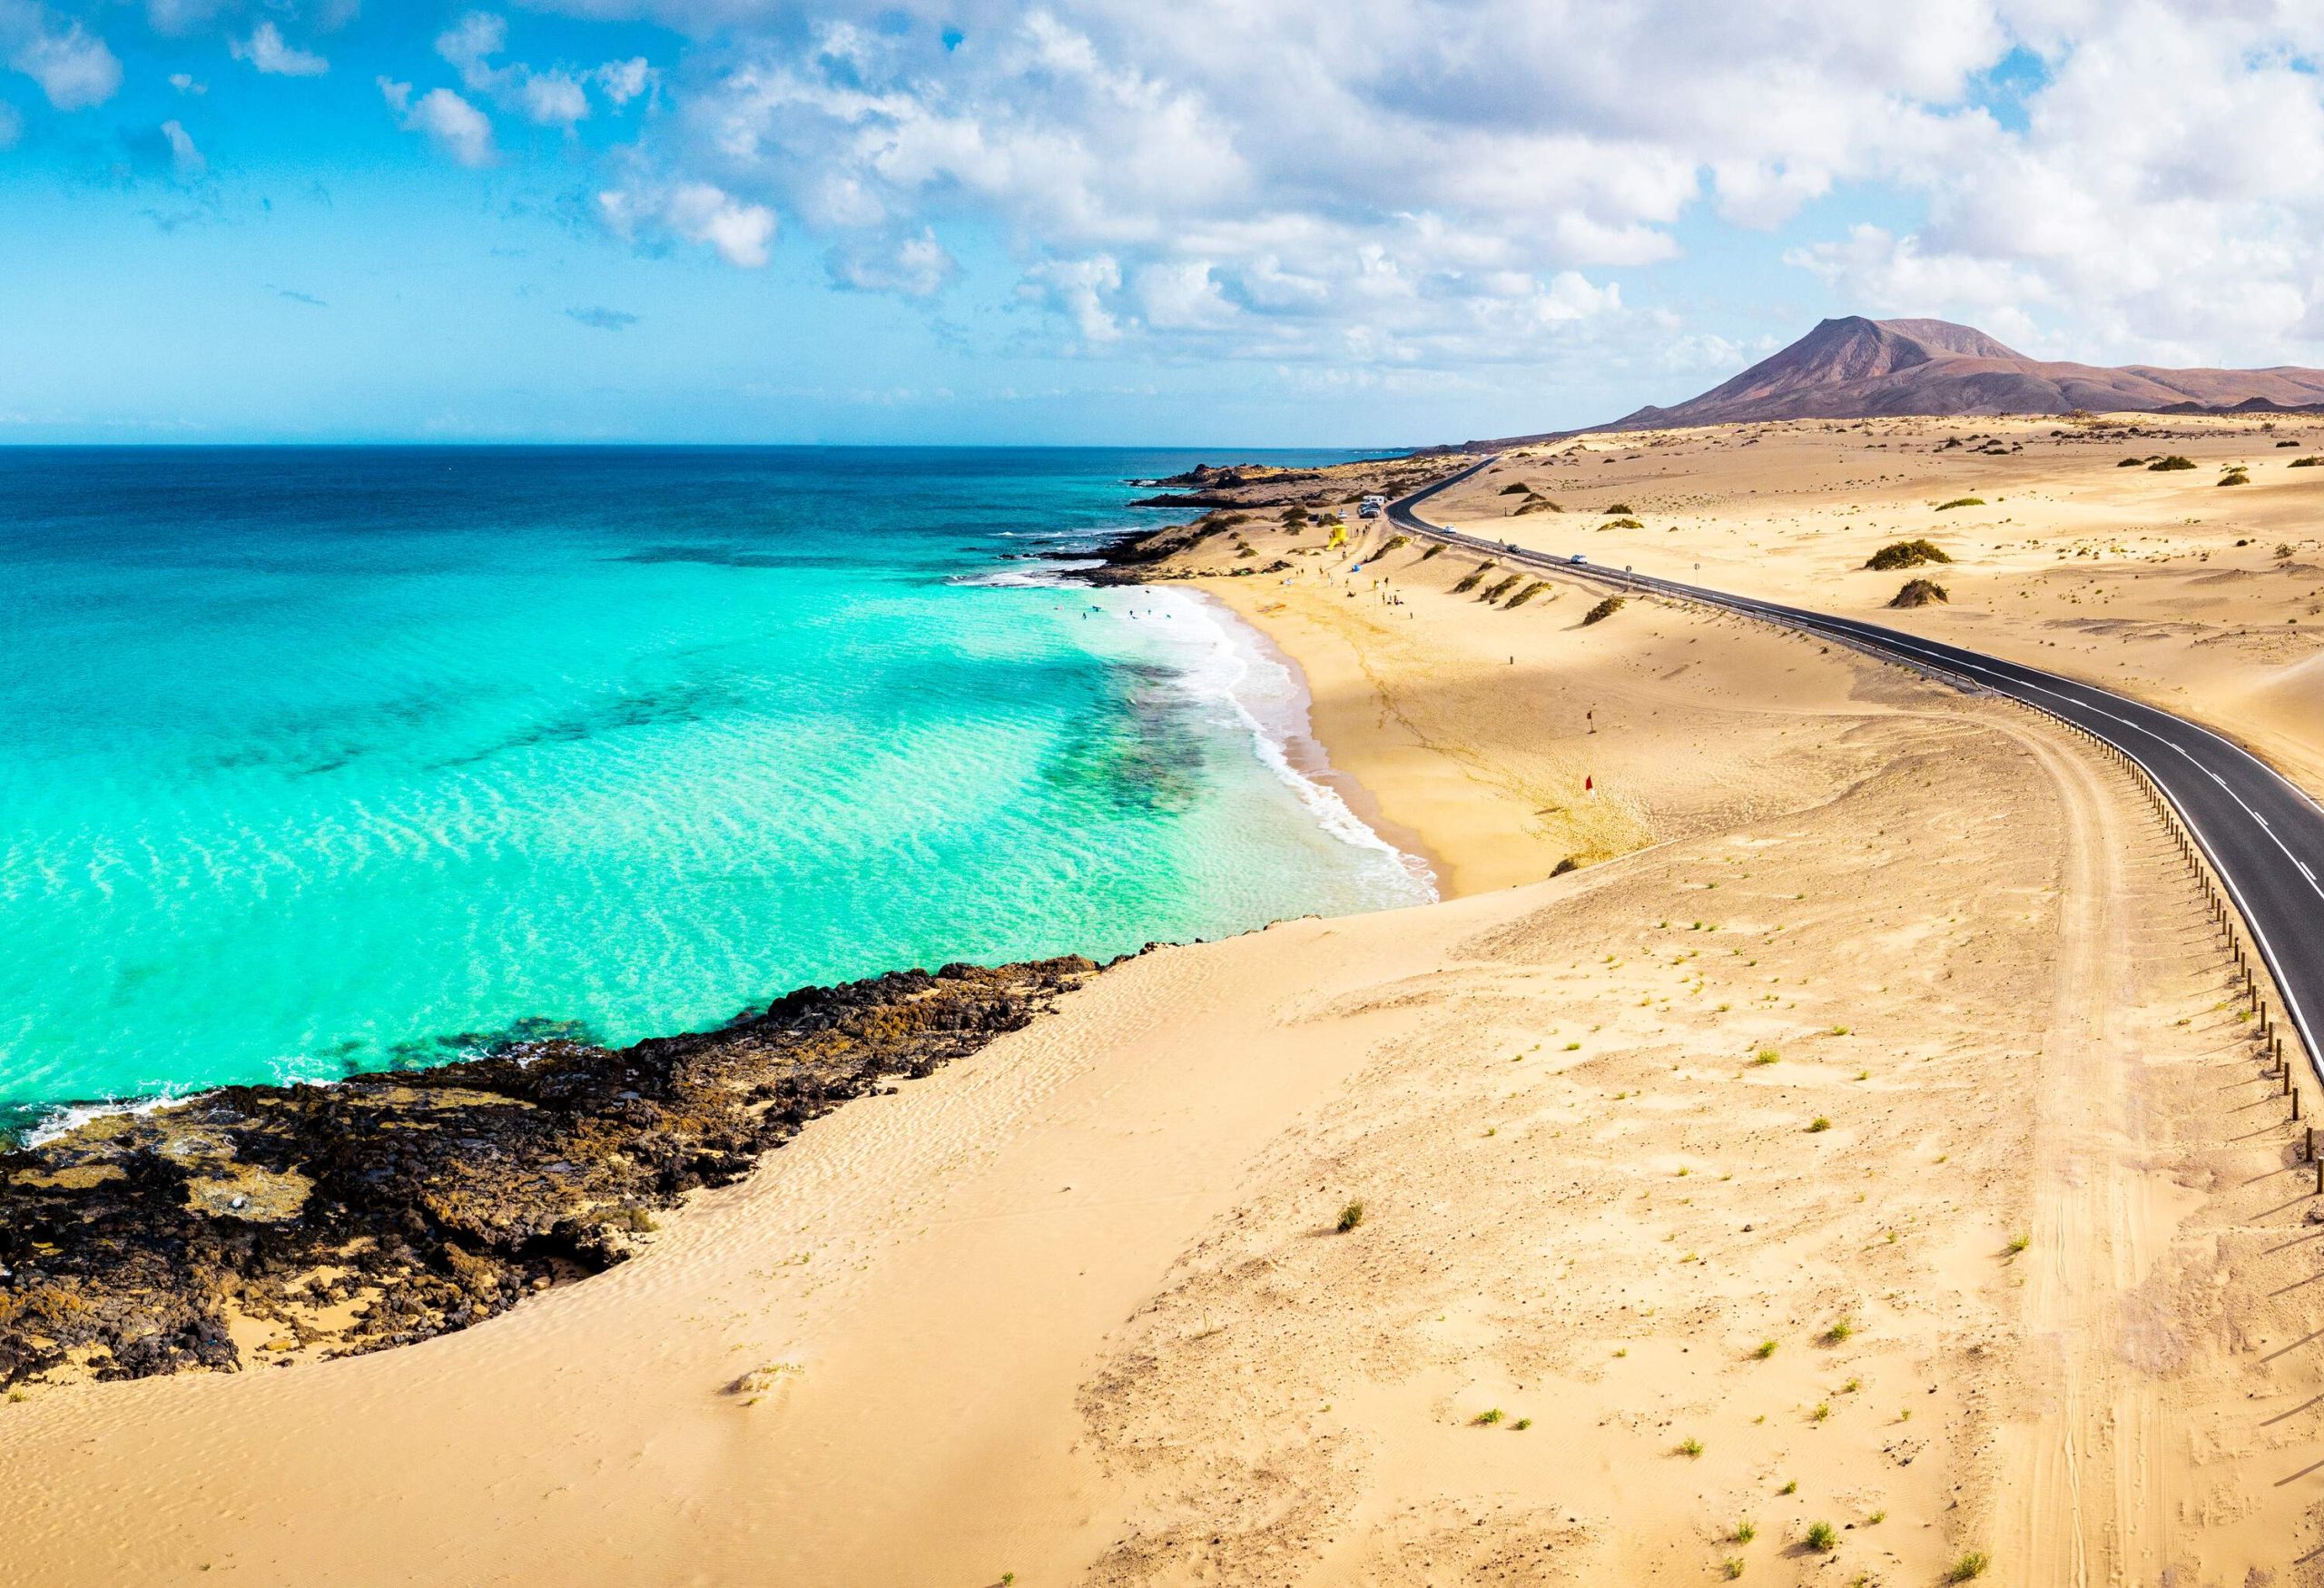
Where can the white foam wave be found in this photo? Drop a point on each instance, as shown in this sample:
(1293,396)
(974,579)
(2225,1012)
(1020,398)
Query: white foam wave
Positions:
(1047,573)
(70,1117)
(1227,661)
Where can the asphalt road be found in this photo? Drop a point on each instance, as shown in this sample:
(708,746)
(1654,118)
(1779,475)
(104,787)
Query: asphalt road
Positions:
(2263,836)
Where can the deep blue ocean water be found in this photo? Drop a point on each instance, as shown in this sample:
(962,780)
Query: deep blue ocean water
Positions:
(314,760)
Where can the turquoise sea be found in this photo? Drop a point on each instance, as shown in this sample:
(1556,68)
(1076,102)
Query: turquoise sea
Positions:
(317,760)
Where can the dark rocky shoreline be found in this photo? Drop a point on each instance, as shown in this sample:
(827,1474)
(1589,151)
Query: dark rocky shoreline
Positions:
(400,1205)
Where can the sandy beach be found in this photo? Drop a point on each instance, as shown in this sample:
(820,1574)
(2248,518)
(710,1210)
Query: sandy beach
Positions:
(1812,1141)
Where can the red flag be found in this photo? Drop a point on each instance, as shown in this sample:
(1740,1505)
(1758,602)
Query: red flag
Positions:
(1587,784)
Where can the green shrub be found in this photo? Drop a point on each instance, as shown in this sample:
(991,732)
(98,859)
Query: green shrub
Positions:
(1621,524)
(1494,592)
(2170,465)
(1434,548)
(1960,502)
(1764,1349)
(1604,609)
(1620,507)
(1474,580)
(1821,1537)
(1968,1567)
(1487,1419)
(2235,477)
(2307,462)
(1921,593)
(1525,595)
(2130,463)
(1906,554)
(1350,1216)
(1690,1447)
(1746,1531)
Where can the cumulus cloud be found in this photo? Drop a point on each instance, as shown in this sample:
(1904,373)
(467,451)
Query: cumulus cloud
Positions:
(266,51)
(696,211)
(74,68)
(622,81)
(455,126)
(1425,179)
(185,83)
(553,98)
(912,266)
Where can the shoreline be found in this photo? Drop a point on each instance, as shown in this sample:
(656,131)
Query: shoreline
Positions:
(236,1154)
(1844,1144)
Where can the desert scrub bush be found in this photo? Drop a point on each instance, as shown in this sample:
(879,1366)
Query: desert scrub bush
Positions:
(1487,1419)
(1791,1487)
(1396,541)
(1764,1349)
(1522,1423)
(1960,502)
(2236,477)
(2310,462)
(1733,1566)
(1921,593)
(1294,514)
(1604,609)
(1745,1530)
(1821,1537)
(1621,524)
(1434,548)
(1518,489)
(2018,1243)
(1525,595)
(1842,1328)
(1619,508)
(2130,463)
(1906,554)
(1690,1447)
(1819,1125)
(1349,1217)
(1823,1409)
(1495,591)
(2170,465)
(1472,580)
(1969,1567)
(1765,1056)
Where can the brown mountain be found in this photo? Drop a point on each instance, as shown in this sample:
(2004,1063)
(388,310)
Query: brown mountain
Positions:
(1855,368)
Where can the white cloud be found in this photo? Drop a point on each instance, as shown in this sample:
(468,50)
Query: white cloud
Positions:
(183,155)
(555,98)
(912,266)
(456,127)
(697,211)
(266,50)
(1451,181)
(185,83)
(1079,287)
(12,125)
(470,43)
(622,81)
(74,68)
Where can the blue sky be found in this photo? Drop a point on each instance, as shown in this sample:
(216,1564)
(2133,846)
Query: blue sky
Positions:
(1370,223)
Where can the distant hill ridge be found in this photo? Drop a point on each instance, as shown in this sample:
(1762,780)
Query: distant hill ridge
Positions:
(1854,368)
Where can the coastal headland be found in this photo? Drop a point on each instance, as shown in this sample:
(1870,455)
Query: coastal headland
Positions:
(1815,1127)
